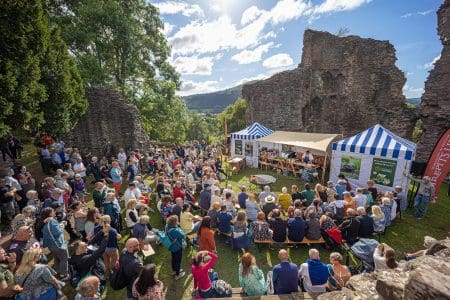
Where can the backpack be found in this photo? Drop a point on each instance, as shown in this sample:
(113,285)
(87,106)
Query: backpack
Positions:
(223,289)
(335,234)
(165,239)
(110,210)
(118,279)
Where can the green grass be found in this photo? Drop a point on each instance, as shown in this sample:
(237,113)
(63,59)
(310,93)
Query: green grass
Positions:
(404,235)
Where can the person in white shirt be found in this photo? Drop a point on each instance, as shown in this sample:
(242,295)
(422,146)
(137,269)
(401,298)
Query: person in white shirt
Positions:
(216,195)
(384,257)
(79,168)
(307,157)
(122,158)
(132,192)
(359,198)
(314,274)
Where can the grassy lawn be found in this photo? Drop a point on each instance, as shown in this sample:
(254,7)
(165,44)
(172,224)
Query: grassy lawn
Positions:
(404,235)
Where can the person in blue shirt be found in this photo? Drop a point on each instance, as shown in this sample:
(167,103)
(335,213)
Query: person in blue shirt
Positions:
(177,237)
(224,219)
(284,275)
(296,227)
(242,197)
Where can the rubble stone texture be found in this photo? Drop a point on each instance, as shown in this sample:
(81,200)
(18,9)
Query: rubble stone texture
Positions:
(342,85)
(109,117)
(435,106)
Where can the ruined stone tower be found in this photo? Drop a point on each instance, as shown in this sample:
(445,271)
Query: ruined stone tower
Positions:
(342,85)
(108,118)
(435,106)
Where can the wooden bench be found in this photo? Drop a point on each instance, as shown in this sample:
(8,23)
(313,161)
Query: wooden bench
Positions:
(305,241)
(236,294)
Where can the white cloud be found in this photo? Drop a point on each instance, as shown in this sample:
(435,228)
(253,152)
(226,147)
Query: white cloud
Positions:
(168,28)
(278,61)
(251,56)
(419,13)
(248,79)
(174,7)
(338,5)
(412,92)
(190,87)
(250,14)
(430,64)
(286,10)
(194,65)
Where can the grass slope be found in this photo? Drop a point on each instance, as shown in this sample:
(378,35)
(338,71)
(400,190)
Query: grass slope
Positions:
(404,235)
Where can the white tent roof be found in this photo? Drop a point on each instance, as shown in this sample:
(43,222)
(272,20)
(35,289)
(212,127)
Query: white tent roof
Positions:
(377,141)
(318,142)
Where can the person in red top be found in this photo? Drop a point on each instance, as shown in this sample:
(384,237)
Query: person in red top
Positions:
(178,191)
(200,266)
(206,241)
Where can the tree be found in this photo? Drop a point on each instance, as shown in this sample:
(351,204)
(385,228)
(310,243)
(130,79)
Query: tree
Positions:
(65,90)
(40,87)
(203,127)
(343,31)
(235,114)
(120,43)
(24,36)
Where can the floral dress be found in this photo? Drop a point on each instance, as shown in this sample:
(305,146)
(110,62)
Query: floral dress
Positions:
(254,283)
(38,282)
(261,231)
(155,292)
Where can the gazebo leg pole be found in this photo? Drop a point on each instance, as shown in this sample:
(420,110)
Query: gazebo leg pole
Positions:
(324,168)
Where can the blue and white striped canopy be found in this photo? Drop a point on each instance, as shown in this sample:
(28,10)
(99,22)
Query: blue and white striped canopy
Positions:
(377,141)
(252,132)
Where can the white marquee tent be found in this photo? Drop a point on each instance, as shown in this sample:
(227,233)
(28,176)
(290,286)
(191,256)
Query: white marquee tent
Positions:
(243,142)
(376,154)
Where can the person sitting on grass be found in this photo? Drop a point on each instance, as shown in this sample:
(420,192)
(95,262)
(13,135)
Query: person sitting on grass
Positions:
(251,278)
(225,218)
(143,231)
(201,265)
(314,274)
(260,228)
(188,222)
(384,257)
(278,225)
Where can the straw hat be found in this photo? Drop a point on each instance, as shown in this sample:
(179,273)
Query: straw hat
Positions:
(269,199)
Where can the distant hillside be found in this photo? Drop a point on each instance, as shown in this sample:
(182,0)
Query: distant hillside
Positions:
(216,102)
(213,102)
(414,101)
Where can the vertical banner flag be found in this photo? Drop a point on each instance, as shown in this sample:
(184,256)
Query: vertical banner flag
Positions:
(439,162)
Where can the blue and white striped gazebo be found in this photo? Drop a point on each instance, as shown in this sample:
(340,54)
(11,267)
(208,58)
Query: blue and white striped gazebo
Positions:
(243,142)
(377,146)
(252,132)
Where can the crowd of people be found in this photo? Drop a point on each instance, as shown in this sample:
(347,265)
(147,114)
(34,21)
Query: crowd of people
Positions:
(54,220)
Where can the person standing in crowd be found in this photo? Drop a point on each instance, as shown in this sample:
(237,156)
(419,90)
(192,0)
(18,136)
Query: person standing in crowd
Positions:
(284,275)
(177,237)
(116,176)
(131,264)
(206,236)
(242,197)
(205,198)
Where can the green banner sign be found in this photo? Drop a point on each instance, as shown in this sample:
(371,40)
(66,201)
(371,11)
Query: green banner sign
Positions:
(383,171)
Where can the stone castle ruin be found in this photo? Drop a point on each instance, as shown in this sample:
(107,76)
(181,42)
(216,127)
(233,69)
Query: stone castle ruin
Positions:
(342,85)
(435,108)
(108,118)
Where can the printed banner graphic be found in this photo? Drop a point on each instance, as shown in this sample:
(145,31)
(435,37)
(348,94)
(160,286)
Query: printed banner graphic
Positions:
(383,171)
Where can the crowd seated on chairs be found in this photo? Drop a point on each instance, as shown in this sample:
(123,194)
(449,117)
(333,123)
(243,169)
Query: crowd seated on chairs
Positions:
(193,205)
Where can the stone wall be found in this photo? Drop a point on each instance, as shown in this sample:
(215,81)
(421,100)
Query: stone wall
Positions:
(108,118)
(426,277)
(342,85)
(435,106)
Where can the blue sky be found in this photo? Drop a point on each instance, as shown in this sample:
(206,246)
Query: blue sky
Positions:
(218,44)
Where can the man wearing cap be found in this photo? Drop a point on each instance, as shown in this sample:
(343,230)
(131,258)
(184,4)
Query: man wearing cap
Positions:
(424,195)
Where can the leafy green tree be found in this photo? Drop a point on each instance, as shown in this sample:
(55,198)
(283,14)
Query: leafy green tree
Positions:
(235,114)
(204,127)
(40,87)
(24,38)
(65,102)
(120,43)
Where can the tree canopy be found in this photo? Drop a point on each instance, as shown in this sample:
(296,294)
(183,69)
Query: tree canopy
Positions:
(32,57)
